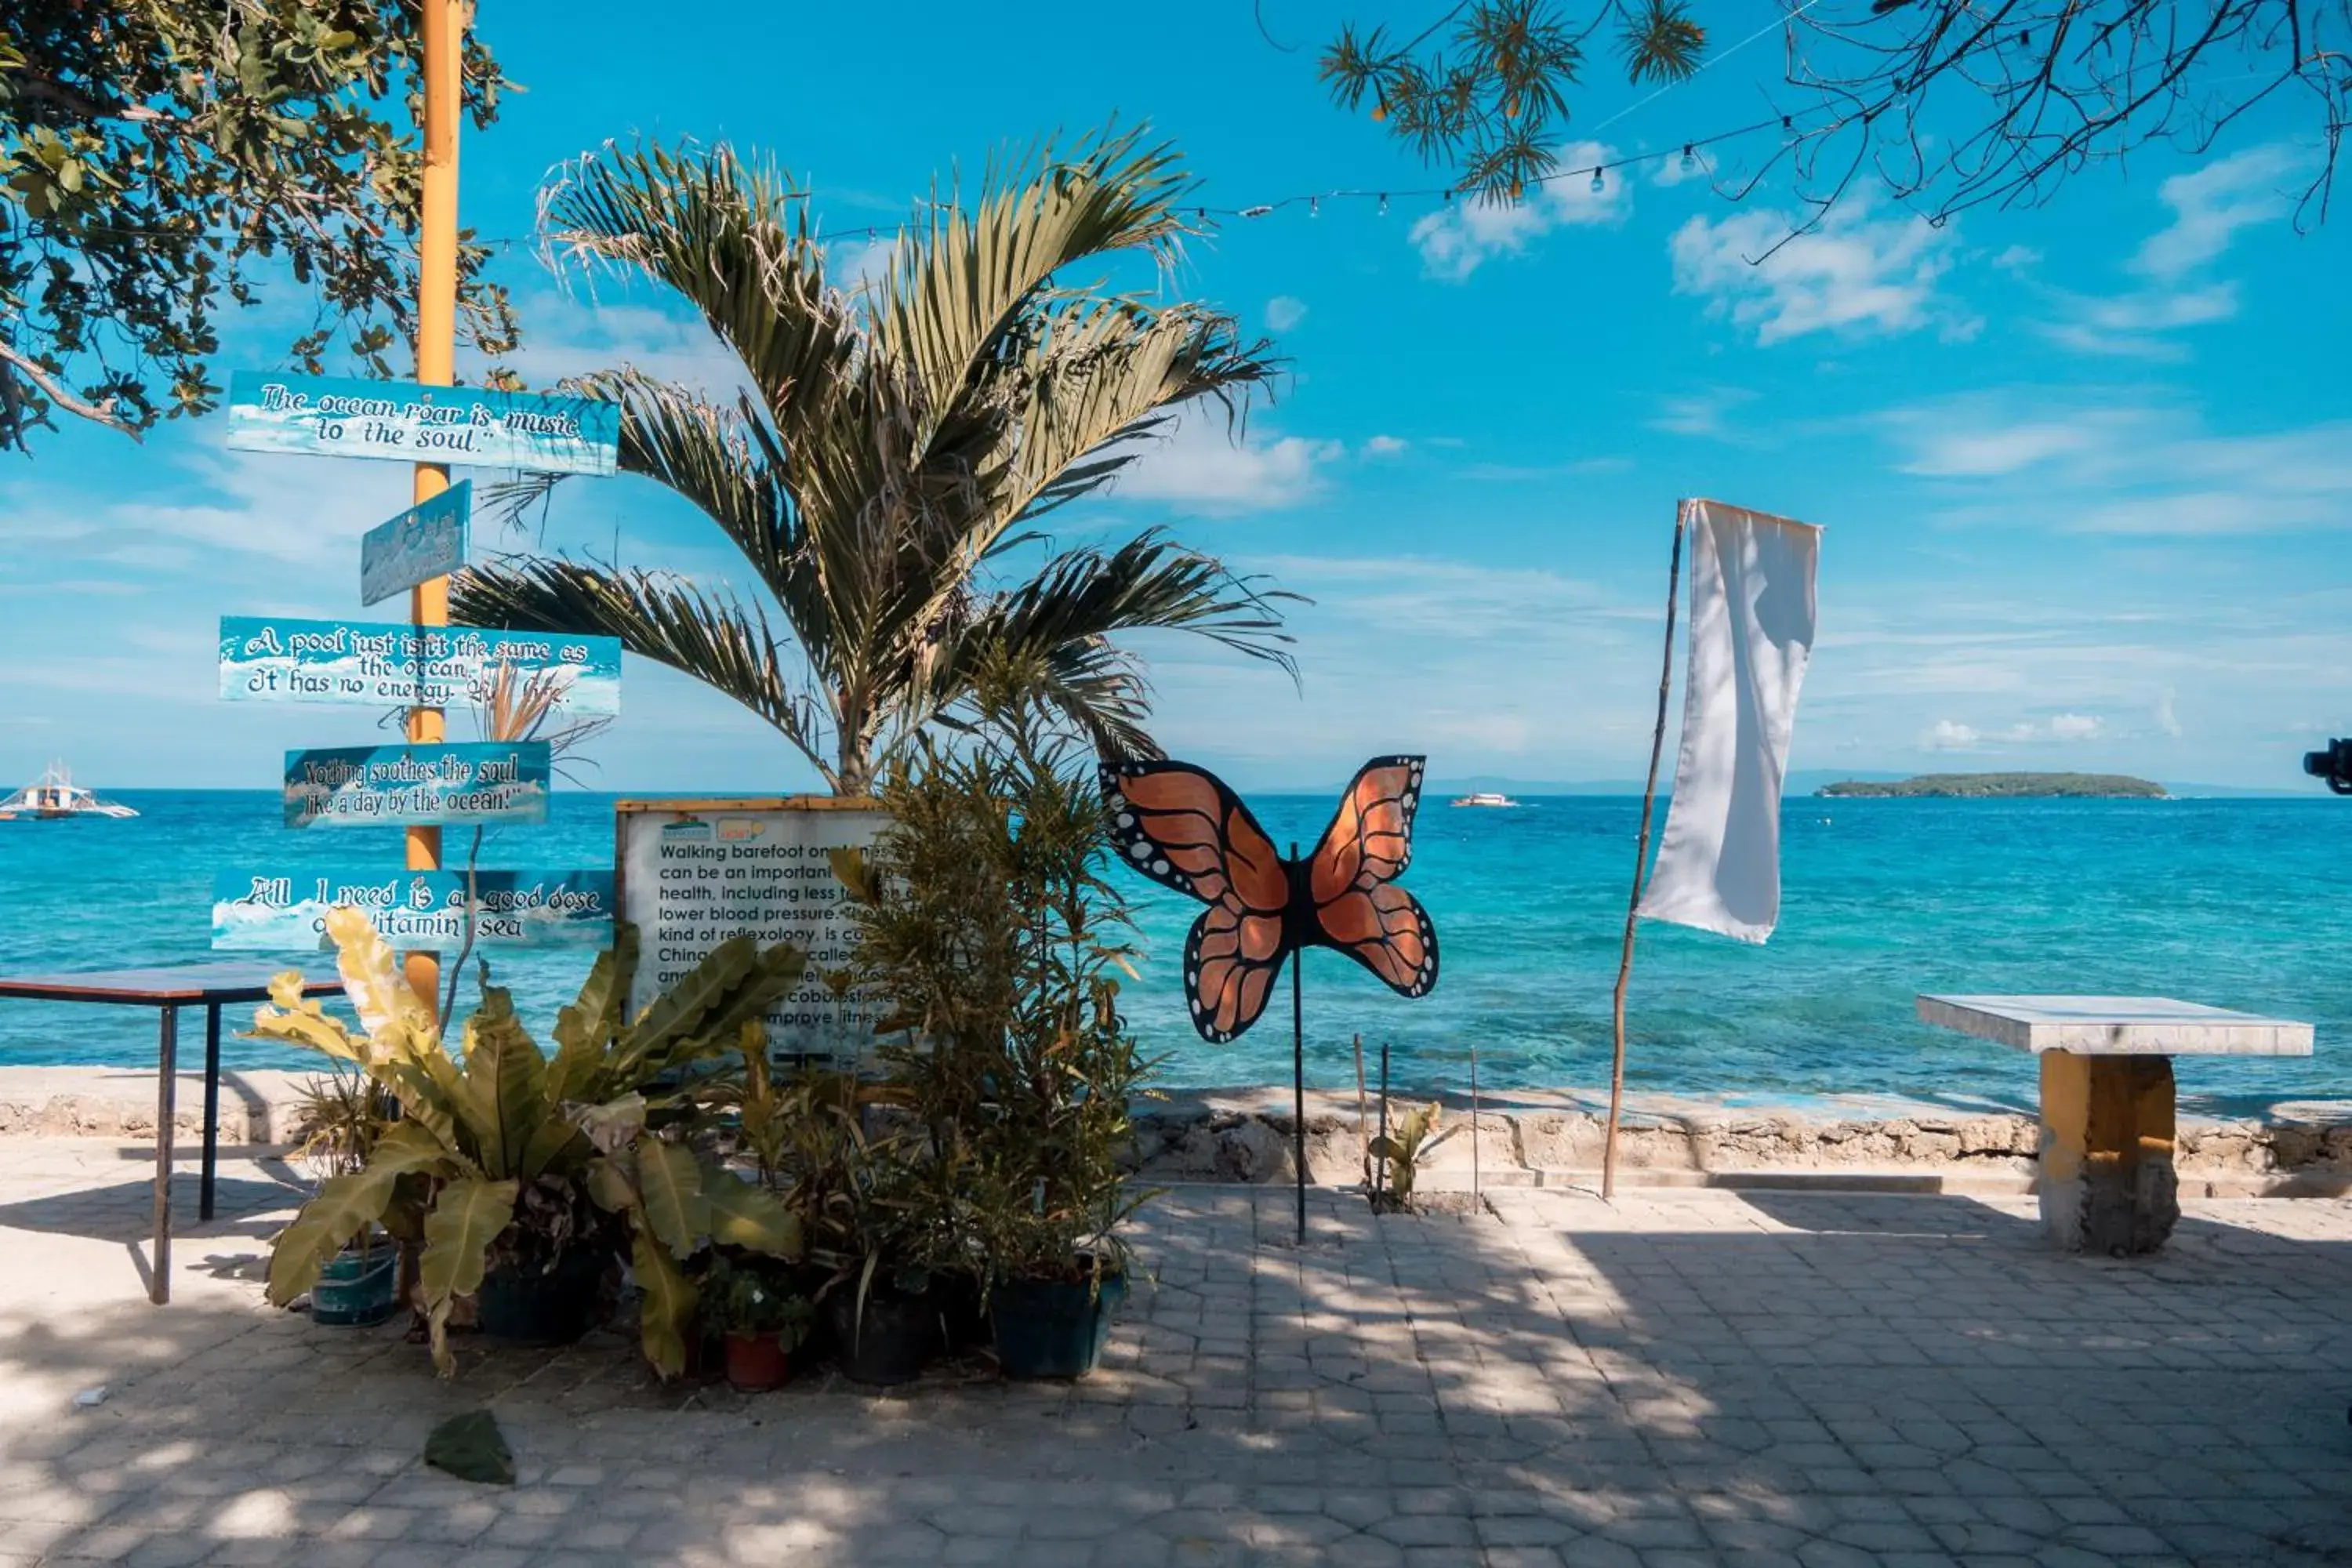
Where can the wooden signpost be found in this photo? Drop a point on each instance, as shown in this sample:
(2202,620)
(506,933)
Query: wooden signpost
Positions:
(422,664)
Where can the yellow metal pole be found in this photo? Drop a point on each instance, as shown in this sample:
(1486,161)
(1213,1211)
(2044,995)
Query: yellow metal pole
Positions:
(436,346)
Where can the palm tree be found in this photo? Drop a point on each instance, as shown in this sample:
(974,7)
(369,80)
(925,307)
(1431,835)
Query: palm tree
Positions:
(893,443)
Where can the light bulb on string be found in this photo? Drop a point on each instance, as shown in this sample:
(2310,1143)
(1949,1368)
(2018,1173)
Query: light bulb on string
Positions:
(1315,206)
(1384,204)
(1599,185)
(1689,162)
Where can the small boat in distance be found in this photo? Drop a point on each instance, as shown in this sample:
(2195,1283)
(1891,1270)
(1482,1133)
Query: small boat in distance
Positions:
(53,797)
(1485,797)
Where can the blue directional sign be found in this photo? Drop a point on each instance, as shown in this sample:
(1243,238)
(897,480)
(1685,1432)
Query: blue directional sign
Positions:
(425,541)
(285,910)
(271,658)
(408,423)
(377,786)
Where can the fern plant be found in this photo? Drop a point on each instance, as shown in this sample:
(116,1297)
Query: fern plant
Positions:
(505,1155)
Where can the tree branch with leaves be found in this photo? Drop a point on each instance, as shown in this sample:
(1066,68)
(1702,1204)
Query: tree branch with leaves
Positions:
(162,161)
(1947,104)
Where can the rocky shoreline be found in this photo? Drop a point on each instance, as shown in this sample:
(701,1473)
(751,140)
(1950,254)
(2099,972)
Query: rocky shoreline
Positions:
(1523,1139)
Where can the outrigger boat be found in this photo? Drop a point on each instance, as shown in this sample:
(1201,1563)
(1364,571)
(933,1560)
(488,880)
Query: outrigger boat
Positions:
(54,796)
(1485,797)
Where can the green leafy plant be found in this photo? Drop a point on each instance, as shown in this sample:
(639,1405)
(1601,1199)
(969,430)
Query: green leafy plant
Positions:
(743,1298)
(983,927)
(1401,1149)
(343,1116)
(508,1157)
(165,161)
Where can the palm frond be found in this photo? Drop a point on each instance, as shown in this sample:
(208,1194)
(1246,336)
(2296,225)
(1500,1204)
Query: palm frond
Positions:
(950,302)
(656,615)
(733,238)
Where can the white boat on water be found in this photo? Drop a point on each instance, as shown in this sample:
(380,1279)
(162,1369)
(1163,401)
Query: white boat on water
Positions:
(54,796)
(1485,797)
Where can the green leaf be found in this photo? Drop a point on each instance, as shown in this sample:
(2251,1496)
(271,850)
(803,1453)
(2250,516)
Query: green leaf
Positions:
(743,1215)
(466,1217)
(667,1305)
(587,1026)
(503,1094)
(345,1206)
(669,1183)
(612,1186)
(736,983)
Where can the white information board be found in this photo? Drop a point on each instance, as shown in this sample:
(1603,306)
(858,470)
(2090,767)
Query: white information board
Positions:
(693,873)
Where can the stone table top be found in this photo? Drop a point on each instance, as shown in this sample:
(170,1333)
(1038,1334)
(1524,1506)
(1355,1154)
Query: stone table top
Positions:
(2118,1026)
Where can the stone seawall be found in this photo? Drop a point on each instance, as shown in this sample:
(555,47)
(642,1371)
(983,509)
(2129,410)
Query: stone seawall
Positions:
(1523,1139)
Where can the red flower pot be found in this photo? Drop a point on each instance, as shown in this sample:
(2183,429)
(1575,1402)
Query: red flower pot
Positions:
(756,1361)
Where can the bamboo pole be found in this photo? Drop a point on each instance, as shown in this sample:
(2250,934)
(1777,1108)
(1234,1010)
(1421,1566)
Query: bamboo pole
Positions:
(1641,868)
(436,346)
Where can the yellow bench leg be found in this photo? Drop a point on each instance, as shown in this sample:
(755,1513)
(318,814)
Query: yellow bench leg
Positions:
(2106,1179)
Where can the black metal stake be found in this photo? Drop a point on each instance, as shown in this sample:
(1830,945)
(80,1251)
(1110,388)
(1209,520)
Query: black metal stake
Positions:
(212,1111)
(1298,1074)
(1382,1169)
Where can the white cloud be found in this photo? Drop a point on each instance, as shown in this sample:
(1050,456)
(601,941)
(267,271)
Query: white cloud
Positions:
(2127,325)
(1855,274)
(1700,414)
(2080,461)
(1283,312)
(2210,205)
(1670,171)
(1952,451)
(2167,720)
(1384,446)
(1457,239)
(1200,466)
(2018,258)
(572,334)
(851,265)
(1948,736)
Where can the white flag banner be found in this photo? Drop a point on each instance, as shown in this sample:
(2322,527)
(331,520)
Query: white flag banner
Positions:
(1751,633)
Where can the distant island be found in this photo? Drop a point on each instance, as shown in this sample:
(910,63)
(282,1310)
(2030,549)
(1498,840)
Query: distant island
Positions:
(2004,786)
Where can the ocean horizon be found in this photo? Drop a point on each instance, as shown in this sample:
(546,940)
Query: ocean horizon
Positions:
(2230,901)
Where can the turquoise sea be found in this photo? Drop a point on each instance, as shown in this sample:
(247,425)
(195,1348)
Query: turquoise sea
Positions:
(2241,903)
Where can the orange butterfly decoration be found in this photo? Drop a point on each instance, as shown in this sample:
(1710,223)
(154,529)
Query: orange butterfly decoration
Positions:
(1180,827)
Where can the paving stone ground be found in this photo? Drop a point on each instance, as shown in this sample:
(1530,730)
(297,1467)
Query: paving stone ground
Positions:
(1686,1377)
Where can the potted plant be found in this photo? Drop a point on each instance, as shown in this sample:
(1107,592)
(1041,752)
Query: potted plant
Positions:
(526,1175)
(869,1226)
(762,1319)
(981,926)
(342,1118)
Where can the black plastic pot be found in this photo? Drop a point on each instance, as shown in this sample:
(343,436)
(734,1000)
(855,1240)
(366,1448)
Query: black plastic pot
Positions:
(963,1312)
(355,1289)
(1052,1328)
(890,1343)
(554,1308)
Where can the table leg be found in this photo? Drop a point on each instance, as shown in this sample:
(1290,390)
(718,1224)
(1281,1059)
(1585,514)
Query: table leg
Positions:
(2106,1180)
(212,1111)
(167,1070)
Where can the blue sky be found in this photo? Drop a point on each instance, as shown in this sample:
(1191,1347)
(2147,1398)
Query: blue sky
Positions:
(2087,470)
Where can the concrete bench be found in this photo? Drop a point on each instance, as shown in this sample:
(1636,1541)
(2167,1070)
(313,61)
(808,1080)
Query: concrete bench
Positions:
(2106,1180)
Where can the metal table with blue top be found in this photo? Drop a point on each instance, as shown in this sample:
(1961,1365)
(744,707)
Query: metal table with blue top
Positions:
(211,986)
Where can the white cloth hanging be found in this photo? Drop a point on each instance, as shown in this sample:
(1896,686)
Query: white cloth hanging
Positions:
(1751,634)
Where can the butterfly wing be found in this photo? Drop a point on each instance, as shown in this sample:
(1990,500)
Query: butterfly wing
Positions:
(1180,827)
(1351,878)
